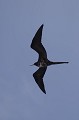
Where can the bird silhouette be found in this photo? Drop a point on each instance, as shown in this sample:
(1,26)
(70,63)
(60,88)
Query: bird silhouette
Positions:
(43,61)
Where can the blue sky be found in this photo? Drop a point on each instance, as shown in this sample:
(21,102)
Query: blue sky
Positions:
(20,97)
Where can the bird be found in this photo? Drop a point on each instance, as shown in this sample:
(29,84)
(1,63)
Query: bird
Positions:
(43,61)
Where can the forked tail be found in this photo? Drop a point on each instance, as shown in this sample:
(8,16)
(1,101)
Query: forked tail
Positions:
(55,63)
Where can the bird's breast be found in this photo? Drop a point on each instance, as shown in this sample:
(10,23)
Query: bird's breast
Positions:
(42,64)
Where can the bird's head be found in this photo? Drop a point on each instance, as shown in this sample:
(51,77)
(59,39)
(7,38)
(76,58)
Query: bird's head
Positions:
(36,64)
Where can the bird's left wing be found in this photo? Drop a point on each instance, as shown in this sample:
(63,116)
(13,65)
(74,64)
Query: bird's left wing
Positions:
(37,44)
(38,76)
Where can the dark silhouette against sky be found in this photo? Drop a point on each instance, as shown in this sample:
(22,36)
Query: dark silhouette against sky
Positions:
(20,96)
(43,61)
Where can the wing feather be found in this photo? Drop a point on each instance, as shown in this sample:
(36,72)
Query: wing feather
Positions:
(38,76)
(37,45)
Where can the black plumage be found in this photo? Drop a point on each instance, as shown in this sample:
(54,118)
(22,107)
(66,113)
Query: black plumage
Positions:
(42,62)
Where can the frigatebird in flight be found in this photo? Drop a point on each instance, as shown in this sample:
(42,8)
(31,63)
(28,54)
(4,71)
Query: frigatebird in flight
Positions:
(43,61)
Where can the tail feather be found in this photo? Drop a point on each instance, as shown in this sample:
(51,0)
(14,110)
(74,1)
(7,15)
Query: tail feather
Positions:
(54,63)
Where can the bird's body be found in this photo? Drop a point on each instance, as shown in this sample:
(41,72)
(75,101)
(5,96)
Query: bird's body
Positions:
(43,61)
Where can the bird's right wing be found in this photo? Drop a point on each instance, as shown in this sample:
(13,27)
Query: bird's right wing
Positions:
(37,45)
(38,76)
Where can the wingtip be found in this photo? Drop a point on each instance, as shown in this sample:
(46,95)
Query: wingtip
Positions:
(42,25)
(45,92)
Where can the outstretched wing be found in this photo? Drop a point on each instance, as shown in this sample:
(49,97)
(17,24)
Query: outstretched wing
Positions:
(37,45)
(38,76)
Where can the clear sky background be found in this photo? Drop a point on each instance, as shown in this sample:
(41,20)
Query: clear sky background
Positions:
(20,97)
